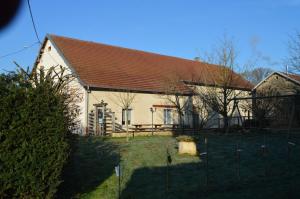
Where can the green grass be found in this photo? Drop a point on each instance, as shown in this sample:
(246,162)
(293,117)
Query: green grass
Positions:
(145,173)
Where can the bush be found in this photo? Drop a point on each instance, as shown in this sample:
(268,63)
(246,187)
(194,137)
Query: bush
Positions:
(33,137)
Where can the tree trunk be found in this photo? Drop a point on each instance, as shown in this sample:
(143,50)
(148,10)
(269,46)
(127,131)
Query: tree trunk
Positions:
(225,115)
(181,125)
(182,119)
(179,119)
(225,120)
(126,123)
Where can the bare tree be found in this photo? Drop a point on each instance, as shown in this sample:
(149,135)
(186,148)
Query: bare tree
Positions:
(293,59)
(124,100)
(262,108)
(257,74)
(202,110)
(218,91)
(176,94)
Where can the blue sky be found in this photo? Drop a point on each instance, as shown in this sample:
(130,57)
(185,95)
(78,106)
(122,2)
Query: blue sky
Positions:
(182,28)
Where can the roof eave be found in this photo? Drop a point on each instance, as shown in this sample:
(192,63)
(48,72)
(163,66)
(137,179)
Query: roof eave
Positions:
(218,86)
(149,91)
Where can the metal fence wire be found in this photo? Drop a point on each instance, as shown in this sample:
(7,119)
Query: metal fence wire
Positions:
(250,160)
(260,161)
(266,111)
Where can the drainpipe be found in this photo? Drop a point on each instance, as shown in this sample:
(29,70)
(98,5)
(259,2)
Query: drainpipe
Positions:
(87,110)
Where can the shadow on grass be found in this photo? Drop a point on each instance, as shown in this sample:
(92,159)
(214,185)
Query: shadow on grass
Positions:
(91,163)
(163,182)
(188,180)
(184,181)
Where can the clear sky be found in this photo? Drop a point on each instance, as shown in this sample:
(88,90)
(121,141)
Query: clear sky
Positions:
(182,28)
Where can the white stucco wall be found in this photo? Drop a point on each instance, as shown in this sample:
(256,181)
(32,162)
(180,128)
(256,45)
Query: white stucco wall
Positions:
(216,120)
(140,106)
(50,57)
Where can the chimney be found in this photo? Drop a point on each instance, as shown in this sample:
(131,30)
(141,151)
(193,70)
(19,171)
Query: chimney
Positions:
(286,69)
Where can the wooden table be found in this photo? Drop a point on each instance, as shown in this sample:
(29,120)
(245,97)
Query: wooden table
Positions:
(146,126)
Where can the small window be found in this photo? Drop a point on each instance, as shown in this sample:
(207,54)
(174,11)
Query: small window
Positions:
(167,116)
(128,116)
(49,48)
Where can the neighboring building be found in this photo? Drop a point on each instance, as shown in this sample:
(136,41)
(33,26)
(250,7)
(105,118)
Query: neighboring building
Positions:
(278,111)
(107,74)
(279,83)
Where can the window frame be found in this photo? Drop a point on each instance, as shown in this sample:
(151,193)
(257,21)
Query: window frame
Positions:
(167,116)
(129,119)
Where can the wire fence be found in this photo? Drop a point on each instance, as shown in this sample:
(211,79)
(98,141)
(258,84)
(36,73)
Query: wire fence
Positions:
(228,163)
(278,111)
(260,160)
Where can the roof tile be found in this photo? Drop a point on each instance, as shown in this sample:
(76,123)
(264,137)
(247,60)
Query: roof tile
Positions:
(104,66)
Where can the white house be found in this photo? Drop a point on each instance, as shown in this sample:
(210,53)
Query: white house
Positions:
(105,74)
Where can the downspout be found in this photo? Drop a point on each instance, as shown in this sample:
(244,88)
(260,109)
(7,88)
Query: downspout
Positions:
(87,110)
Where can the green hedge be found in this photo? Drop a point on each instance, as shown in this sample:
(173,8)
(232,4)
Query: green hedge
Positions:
(33,138)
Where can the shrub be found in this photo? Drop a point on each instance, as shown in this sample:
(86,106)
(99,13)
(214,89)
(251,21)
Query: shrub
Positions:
(33,137)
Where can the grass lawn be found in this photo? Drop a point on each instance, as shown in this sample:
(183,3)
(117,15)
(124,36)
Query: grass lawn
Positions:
(145,174)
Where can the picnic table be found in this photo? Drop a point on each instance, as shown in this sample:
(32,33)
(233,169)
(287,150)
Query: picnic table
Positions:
(146,127)
(140,127)
(155,126)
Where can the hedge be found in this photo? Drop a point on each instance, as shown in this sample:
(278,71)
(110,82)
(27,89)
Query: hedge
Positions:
(33,137)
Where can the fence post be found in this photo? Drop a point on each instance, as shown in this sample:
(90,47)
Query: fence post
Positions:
(169,161)
(291,118)
(263,147)
(206,148)
(289,149)
(167,177)
(238,161)
(118,174)
(120,178)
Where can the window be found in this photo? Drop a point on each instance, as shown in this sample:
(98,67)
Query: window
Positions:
(167,116)
(128,116)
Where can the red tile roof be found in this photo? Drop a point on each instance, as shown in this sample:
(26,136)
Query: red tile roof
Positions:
(294,77)
(104,66)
